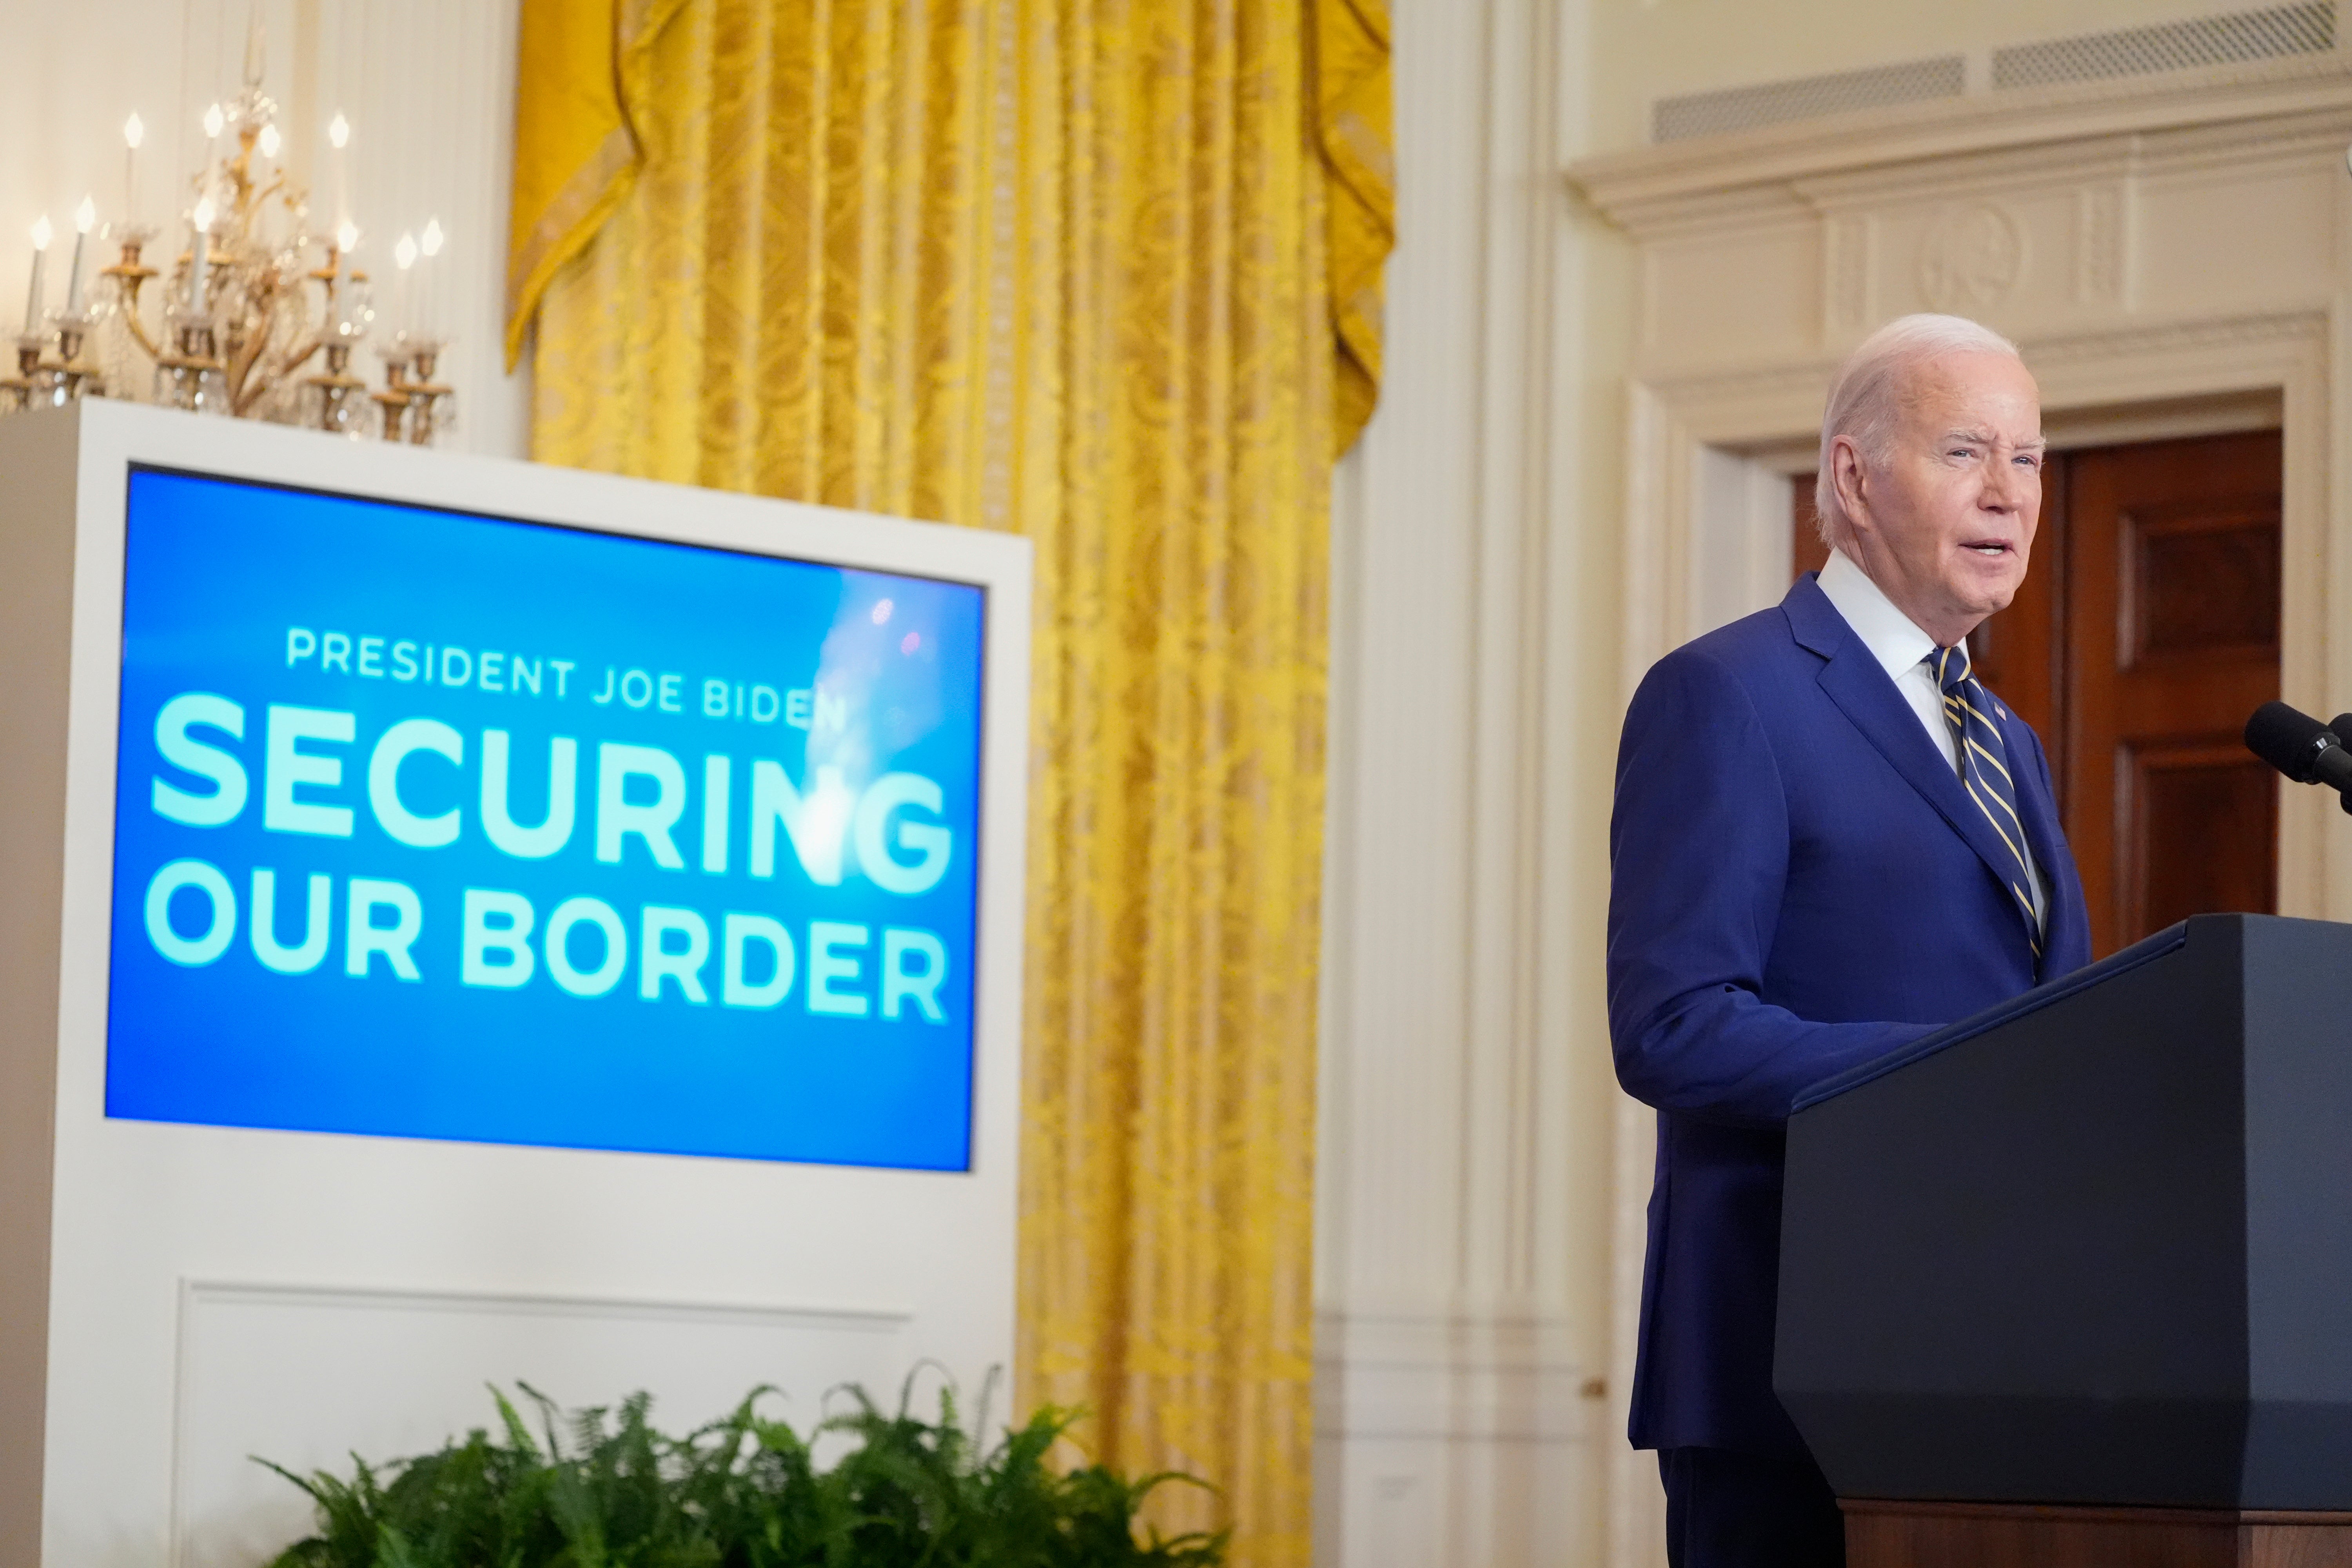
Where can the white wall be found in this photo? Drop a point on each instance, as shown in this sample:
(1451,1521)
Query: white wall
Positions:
(427,85)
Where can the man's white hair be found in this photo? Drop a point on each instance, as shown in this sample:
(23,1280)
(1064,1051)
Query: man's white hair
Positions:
(1865,401)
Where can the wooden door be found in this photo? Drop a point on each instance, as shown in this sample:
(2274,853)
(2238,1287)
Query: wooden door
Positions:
(2147,631)
(2173,577)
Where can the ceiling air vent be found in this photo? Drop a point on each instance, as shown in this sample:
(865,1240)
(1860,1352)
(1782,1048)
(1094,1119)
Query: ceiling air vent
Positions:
(2274,33)
(1746,108)
(2305,29)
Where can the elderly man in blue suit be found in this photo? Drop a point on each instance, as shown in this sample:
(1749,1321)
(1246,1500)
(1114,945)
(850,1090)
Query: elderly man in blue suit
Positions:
(1828,839)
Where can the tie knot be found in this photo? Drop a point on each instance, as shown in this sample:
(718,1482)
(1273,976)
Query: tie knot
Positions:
(1951,666)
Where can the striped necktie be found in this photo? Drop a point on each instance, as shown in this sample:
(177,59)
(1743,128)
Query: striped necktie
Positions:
(1984,769)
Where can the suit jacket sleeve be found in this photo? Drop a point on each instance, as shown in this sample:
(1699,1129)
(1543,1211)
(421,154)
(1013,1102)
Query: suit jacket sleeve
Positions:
(1698,865)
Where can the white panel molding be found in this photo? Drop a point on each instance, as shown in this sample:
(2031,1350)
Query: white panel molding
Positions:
(1456,1404)
(1637,1500)
(1462,1437)
(1451,1377)
(2111,229)
(831,1315)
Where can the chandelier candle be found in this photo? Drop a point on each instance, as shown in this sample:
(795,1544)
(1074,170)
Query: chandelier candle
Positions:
(201,257)
(403,256)
(428,302)
(85,216)
(339,134)
(134,132)
(42,234)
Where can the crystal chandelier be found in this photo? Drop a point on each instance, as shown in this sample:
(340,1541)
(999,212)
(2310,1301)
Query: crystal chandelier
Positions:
(257,318)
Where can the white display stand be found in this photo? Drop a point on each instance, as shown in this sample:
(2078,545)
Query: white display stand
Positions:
(175,1297)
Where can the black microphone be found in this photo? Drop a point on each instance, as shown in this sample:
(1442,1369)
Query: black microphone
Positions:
(2301,747)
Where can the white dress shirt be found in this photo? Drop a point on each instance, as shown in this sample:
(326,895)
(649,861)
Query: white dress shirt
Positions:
(1901,649)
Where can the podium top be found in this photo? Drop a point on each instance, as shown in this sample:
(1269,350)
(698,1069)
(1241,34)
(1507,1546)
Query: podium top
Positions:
(2148,950)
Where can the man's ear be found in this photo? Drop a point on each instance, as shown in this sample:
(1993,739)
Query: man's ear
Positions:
(1847,476)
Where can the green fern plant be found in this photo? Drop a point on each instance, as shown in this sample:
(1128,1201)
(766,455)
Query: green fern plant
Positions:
(604,1490)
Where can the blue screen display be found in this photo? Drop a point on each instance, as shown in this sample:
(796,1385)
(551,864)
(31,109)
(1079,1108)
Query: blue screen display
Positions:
(438,825)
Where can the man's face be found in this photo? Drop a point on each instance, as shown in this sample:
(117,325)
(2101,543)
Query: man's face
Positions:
(1945,524)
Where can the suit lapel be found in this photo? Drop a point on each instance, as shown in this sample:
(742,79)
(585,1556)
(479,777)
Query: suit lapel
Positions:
(1859,684)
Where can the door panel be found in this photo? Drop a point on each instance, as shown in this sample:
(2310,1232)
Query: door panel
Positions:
(2200,581)
(2204,792)
(2173,578)
(2145,631)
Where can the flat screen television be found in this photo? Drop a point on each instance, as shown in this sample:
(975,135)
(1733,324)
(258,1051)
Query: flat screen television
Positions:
(442,825)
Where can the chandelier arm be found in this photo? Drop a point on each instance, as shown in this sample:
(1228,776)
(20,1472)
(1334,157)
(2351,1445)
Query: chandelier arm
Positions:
(278,374)
(139,333)
(245,389)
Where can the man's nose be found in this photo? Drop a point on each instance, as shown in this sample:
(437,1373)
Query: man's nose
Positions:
(2004,488)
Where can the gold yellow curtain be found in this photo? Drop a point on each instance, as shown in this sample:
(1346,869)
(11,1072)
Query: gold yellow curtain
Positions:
(1070,267)
(1352,128)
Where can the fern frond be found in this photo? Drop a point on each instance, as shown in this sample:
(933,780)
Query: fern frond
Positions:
(608,1489)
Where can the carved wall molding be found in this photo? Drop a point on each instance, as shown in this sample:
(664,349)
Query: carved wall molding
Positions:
(1971,258)
(1846,274)
(1657,186)
(2099,242)
(2260,332)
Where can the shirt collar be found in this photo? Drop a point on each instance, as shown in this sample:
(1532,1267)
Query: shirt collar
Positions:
(1890,635)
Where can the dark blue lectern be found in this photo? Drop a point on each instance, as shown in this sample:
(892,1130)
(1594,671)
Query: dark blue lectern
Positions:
(2084,1262)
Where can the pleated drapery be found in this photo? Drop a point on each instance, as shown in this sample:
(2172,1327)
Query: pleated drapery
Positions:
(1075,268)
(1352,122)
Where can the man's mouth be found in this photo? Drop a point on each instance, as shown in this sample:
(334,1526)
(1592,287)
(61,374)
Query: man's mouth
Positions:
(1987,547)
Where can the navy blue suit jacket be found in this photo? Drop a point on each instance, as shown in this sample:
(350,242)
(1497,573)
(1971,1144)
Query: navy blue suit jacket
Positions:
(1798,883)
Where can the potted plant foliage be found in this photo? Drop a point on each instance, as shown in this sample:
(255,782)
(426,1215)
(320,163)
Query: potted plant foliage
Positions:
(605,1490)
